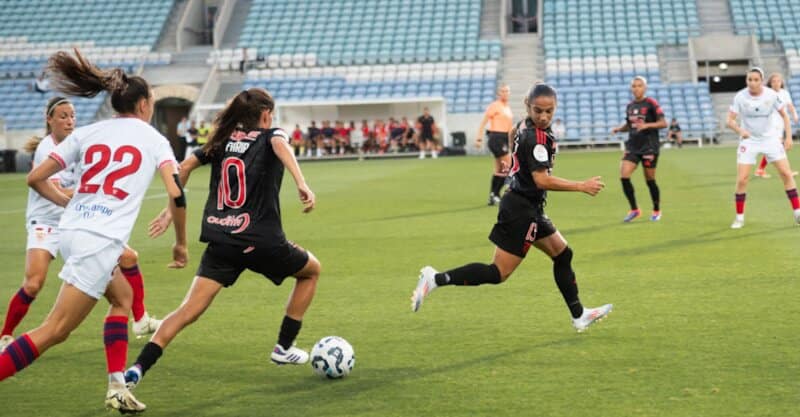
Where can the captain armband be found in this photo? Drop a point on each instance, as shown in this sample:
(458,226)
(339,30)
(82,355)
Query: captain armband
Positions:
(180,201)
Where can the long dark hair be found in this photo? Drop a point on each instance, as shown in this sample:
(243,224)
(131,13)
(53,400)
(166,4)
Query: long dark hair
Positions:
(33,143)
(541,90)
(242,113)
(77,76)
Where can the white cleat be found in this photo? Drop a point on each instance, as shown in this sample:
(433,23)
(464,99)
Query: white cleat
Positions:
(591,315)
(5,341)
(146,325)
(120,398)
(291,356)
(425,285)
(737,224)
(796,221)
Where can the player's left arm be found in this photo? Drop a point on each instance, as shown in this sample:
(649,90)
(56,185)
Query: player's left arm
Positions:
(285,153)
(545,181)
(39,180)
(661,121)
(787,128)
(177,209)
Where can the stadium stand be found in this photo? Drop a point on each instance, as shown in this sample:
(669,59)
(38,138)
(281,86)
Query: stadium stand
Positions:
(592,65)
(119,34)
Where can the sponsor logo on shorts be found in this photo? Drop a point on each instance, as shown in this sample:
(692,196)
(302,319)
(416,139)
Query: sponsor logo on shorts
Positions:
(240,222)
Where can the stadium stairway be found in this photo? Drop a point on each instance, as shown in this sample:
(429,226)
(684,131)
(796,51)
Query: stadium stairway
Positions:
(240,11)
(167,42)
(490,19)
(714,16)
(523,60)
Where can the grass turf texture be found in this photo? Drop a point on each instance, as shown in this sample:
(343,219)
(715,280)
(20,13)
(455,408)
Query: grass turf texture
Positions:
(703,321)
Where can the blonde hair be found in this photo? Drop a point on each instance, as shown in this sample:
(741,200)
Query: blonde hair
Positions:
(33,143)
(772,76)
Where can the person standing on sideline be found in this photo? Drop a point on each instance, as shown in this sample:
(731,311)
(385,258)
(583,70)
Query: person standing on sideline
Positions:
(521,221)
(775,82)
(755,106)
(242,225)
(643,118)
(115,161)
(500,119)
(426,126)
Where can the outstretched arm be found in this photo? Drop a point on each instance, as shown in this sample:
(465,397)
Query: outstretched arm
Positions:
(545,181)
(160,224)
(177,209)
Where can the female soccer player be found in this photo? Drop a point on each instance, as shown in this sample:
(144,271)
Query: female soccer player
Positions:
(115,160)
(500,119)
(643,118)
(775,82)
(242,225)
(521,221)
(755,106)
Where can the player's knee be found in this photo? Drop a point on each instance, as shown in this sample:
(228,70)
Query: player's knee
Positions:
(564,258)
(33,283)
(129,258)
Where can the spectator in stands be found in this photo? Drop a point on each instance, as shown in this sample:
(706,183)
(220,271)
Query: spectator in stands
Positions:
(674,134)
(42,85)
(356,135)
(328,140)
(426,125)
(396,134)
(559,130)
(191,138)
(342,138)
(369,144)
(643,118)
(313,139)
(760,135)
(202,133)
(381,135)
(297,141)
(408,140)
(500,119)
(775,82)
(243,62)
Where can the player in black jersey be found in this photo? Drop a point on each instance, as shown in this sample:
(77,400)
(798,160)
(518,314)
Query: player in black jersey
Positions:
(242,224)
(643,118)
(521,221)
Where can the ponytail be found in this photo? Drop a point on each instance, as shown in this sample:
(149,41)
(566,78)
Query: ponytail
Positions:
(242,113)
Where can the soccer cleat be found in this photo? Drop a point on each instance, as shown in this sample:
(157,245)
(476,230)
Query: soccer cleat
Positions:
(591,315)
(737,224)
(5,341)
(291,356)
(796,221)
(656,216)
(493,199)
(133,376)
(762,173)
(425,286)
(633,214)
(145,326)
(120,398)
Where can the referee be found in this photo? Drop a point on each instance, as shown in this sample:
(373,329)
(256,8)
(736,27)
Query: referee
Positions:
(500,119)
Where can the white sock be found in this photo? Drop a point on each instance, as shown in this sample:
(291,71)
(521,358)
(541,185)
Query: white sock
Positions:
(116,377)
(740,217)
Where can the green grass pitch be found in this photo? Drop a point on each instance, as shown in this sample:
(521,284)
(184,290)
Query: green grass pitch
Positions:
(703,321)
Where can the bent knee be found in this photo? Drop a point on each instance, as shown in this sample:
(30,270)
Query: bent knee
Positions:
(33,284)
(129,258)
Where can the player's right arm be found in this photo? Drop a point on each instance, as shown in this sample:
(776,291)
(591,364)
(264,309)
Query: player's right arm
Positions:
(545,181)
(619,129)
(732,125)
(161,222)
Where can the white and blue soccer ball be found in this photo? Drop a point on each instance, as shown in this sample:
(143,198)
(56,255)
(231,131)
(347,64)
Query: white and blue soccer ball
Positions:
(332,357)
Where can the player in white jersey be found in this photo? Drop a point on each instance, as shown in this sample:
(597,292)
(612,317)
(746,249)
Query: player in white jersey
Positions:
(755,106)
(115,162)
(41,220)
(775,82)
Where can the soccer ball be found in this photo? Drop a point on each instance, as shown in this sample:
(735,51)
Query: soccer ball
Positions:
(332,357)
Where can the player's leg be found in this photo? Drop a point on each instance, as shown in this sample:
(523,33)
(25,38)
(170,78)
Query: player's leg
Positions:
(70,309)
(679,137)
(143,323)
(299,300)
(555,246)
(37,262)
(649,170)
(742,178)
(761,171)
(498,179)
(789,184)
(626,168)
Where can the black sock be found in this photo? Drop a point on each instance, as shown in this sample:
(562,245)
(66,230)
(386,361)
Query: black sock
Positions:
(565,280)
(497,184)
(289,330)
(655,194)
(471,274)
(148,356)
(627,187)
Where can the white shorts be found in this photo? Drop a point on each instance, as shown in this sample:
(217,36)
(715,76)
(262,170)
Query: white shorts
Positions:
(89,260)
(43,236)
(750,149)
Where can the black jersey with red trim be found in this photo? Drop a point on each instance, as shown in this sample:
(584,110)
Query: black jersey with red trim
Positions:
(534,149)
(243,206)
(645,111)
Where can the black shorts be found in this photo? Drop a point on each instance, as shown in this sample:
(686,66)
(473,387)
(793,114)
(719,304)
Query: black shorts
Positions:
(498,144)
(224,263)
(519,224)
(426,137)
(648,160)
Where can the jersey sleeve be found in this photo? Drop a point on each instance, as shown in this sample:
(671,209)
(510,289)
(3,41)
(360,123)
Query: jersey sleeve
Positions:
(164,154)
(280,133)
(780,104)
(659,113)
(201,156)
(67,152)
(736,106)
(539,153)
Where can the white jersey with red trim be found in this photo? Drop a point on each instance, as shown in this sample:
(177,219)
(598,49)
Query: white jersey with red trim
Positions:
(40,210)
(115,162)
(756,113)
(786,99)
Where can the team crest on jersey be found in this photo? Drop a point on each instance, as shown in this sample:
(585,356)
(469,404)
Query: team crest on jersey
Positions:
(240,222)
(540,153)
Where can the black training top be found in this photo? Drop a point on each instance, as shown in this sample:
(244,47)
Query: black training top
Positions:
(637,112)
(534,149)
